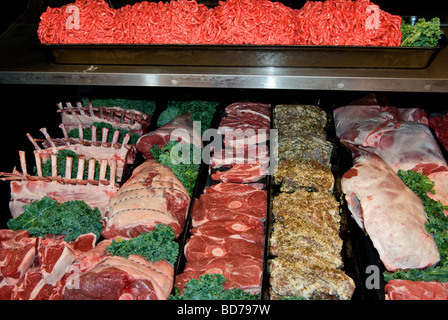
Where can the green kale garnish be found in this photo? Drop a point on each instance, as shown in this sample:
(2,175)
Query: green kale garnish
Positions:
(154,246)
(87,133)
(422,34)
(436,225)
(210,287)
(202,111)
(183,159)
(47,216)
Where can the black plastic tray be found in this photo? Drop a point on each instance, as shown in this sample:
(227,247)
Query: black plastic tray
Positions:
(244,55)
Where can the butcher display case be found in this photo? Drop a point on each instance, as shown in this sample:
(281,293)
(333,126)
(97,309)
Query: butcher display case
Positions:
(39,80)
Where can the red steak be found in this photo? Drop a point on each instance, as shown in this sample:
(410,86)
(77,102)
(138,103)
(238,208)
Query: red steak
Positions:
(229,206)
(416,290)
(218,238)
(241,271)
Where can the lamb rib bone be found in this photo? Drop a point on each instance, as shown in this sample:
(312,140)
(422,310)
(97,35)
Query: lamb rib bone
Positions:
(132,120)
(26,188)
(123,153)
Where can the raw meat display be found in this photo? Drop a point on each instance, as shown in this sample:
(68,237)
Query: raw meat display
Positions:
(132,120)
(389,212)
(230,22)
(309,279)
(438,123)
(272,234)
(305,245)
(228,231)
(296,174)
(122,153)
(133,278)
(222,237)
(150,196)
(222,205)
(179,129)
(372,122)
(363,121)
(306,227)
(241,173)
(240,271)
(416,290)
(311,143)
(37,268)
(245,157)
(26,188)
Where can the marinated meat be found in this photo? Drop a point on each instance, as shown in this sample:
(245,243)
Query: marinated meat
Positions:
(307,174)
(306,225)
(180,129)
(150,196)
(305,278)
(305,146)
(390,213)
(291,120)
(301,133)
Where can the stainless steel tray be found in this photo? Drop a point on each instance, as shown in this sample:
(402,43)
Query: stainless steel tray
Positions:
(244,55)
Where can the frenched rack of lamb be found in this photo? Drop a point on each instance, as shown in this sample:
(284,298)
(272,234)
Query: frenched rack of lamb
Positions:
(132,120)
(26,187)
(122,153)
